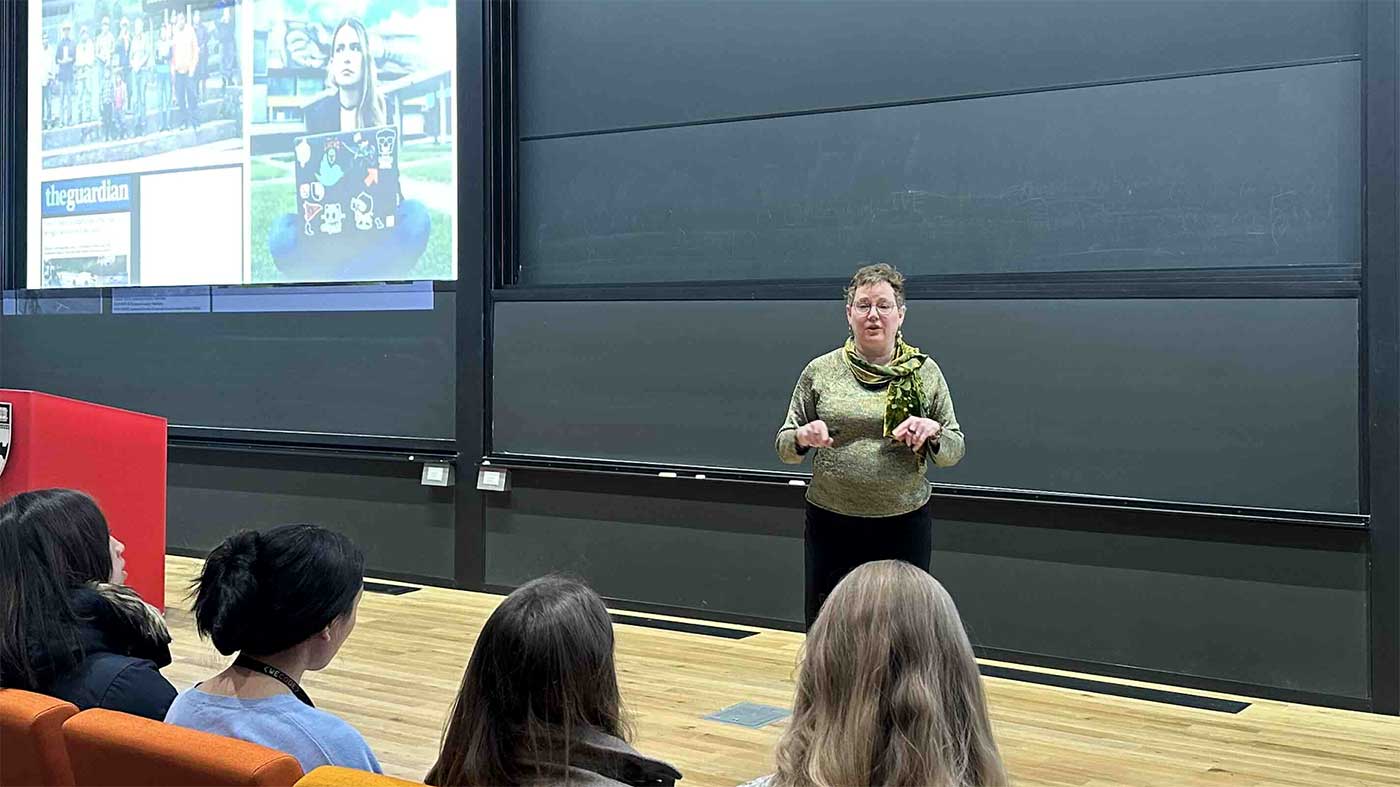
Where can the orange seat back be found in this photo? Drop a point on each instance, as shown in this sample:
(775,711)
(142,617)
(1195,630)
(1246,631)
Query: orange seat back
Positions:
(336,776)
(111,749)
(31,740)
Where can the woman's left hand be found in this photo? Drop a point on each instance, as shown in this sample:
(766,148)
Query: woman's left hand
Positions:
(914,432)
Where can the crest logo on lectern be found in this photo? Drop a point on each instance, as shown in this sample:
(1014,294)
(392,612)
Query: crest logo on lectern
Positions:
(5,425)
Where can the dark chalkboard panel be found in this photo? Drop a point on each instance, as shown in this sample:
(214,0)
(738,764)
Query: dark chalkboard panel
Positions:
(403,526)
(1241,402)
(1274,614)
(604,64)
(1244,169)
(384,373)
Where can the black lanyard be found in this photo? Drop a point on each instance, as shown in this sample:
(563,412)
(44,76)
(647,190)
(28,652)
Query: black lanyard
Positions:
(250,663)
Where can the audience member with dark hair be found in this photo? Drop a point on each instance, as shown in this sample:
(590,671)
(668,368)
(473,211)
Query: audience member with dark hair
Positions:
(888,691)
(539,702)
(285,600)
(71,630)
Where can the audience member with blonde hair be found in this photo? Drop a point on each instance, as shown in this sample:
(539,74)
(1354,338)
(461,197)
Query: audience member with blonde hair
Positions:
(888,691)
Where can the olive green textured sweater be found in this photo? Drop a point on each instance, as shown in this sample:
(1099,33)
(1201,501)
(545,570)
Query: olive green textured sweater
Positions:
(865,473)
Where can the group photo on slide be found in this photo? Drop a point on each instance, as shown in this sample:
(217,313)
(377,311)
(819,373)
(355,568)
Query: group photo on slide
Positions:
(124,81)
(715,393)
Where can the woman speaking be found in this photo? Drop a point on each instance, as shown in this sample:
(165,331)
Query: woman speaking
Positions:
(876,411)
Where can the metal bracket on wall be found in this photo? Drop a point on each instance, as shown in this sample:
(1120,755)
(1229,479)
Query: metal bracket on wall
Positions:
(685,473)
(311,444)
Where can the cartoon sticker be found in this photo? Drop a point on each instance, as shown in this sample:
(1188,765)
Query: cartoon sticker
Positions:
(386,139)
(363,207)
(330,172)
(332,218)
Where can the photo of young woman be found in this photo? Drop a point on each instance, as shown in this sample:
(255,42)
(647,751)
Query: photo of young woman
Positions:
(379,71)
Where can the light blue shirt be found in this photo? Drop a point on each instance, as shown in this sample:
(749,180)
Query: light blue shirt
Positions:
(281,722)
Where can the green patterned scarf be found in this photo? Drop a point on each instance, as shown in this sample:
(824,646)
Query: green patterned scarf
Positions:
(904,396)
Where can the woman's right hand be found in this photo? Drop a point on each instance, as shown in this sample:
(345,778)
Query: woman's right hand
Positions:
(813,435)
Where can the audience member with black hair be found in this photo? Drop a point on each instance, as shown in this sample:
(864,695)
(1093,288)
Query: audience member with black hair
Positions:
(71,630)
(539,702)
(285,600)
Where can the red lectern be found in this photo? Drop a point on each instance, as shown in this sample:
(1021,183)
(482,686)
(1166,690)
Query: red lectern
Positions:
(116,456)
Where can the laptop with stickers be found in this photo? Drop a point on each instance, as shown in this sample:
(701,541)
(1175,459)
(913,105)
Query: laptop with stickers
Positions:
(348,182)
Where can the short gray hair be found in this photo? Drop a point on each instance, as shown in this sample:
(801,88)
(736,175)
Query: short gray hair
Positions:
(874,274)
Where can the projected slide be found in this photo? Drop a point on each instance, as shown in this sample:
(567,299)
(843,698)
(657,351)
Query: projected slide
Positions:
(177,142)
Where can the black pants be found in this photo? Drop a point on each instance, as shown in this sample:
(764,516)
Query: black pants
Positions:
(188,99)
(836,544)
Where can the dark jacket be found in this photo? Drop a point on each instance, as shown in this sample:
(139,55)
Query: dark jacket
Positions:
(597,759)
(124,645)
(322,116)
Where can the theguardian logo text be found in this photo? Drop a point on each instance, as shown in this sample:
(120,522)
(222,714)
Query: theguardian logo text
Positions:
(87,195)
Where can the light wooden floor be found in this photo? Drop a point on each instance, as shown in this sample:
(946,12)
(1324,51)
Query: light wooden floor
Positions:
(398,673)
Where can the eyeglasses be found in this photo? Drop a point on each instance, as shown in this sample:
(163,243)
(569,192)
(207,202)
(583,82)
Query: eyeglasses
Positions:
(884,308)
